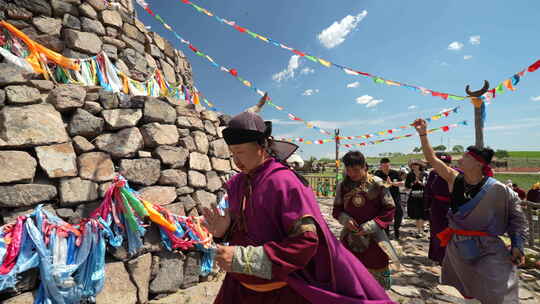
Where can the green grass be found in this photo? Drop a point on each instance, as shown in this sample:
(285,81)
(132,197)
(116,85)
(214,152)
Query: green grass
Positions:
(525,181)
(524,154)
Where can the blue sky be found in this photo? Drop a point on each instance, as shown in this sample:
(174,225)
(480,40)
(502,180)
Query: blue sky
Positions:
(425,43)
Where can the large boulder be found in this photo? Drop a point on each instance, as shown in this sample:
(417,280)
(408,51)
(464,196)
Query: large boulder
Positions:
(58,160)
(124,143)
(12,74)
(85,124)
(74,191)
(118,287)
(158,194)
(82,41)
(213,181)
(196,179)
(221,165)
(156,110)
(200,162)
(23,195)
(174,157)
(96,166)
(32,125)
(173,177)
(205,198)
(39,7)
(82,145)
(17,166)
(144,171)
(92,26)
(201,141)
(21,95)
(111,18)
(48,25)
(192,269)
(62,7)
(121,118)
(155,134)
(139,269)
(219,148)
(169,273)
(66,97)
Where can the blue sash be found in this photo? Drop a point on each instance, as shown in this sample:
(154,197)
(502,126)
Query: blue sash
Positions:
(470,205)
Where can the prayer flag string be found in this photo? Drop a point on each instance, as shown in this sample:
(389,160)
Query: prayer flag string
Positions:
(391,139)
(326,63)
(442,114)
(231,71)
(508,84)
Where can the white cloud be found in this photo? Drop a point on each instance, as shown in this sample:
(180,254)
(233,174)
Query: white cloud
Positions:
(444,63)
(310,92)
(288,73)
(467,57)
(537,98)
(412,107)
(474,40)
(367,100)
(364,99)
(455,46)
(373,103)
(336,33)
(306,71)
(353,84)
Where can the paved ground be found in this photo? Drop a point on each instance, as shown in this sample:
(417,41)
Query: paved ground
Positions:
(416,283)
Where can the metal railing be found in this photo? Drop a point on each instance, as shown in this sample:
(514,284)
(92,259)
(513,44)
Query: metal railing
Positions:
(532,212)
(322,186)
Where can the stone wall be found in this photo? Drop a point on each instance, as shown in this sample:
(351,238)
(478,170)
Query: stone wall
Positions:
(61,145)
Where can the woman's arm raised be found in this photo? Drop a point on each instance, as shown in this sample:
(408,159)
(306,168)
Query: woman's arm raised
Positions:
(446,172)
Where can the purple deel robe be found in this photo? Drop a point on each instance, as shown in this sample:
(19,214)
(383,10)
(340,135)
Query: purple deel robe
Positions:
(278,200)
(437,197)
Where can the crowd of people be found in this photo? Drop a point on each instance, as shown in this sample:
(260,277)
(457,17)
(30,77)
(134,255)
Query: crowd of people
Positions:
(276,247)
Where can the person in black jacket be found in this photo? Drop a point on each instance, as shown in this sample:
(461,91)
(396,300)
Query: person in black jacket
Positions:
(416,181)
(392,179)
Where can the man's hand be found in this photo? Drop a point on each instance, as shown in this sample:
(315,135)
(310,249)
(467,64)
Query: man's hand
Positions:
(421,126)
(224,257)
(216,223)
(518,258)
(352,226)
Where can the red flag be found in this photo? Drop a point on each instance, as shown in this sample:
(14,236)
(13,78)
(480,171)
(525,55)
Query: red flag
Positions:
(233,72)
(149,11)
(445,128)
(186,1)
(193,48)
(298,53)
(535,66)
(240,29)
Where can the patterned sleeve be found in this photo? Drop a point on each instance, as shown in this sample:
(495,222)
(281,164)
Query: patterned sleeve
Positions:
(517,222)
(275,260)
(338,212)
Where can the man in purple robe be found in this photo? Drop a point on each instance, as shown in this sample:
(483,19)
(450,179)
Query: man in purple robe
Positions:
(437,199)
(281,250)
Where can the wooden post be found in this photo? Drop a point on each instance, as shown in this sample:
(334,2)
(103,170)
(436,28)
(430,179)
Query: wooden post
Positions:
(478,103)
(479,129)
(336,132)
